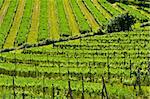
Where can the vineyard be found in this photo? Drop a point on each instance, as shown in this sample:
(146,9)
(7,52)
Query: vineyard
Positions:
(82,61)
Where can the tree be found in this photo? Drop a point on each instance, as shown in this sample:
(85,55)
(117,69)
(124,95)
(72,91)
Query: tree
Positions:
(122,22)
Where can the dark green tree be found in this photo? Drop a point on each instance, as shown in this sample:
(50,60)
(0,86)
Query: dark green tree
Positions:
(122,22)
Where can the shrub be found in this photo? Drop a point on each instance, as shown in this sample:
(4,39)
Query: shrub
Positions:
(122,22)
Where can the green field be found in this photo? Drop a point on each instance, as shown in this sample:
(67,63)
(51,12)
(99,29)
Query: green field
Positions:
(81,60)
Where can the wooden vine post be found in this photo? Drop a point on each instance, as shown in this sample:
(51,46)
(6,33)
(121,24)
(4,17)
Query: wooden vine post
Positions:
(23,93)
(69,90)
(14,74)
(44,86)
(90,72)
(104,90)
(69,87)
(131,65)
(82,87)
(59,67)
(138,80)
(14,93)
(148,68)
(108,67)
(53,92)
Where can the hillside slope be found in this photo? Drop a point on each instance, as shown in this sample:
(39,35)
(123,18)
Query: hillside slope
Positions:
(31,21)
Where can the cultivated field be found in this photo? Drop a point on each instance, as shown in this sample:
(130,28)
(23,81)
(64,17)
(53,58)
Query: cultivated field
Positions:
(31,21)
(82,60)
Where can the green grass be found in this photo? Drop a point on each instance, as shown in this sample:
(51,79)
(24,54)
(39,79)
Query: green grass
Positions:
(1,3)
(25,24)
(135,13)
(83,25)
(43,28)
(8,19)
(109,7)
(63,24)
(97,14)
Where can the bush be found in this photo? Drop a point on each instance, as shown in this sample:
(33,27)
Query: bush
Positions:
(122,22)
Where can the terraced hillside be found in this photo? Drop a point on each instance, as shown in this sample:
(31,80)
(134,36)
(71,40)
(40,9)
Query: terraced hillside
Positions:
(31,21)
(91,66)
